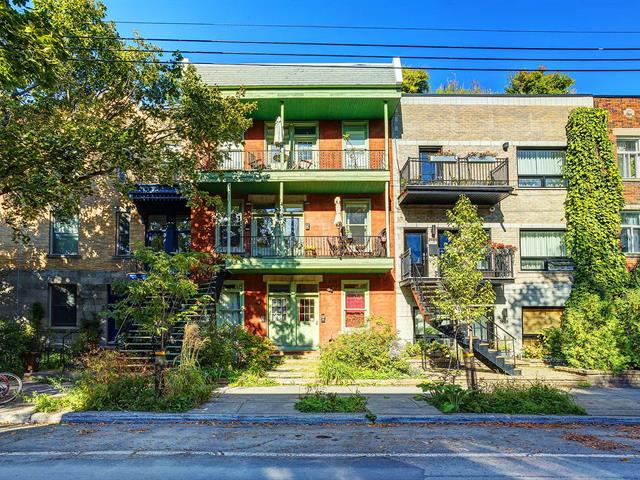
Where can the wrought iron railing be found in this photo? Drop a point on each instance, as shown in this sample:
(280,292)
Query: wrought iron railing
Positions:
(460,172)
(496,264)
(302,159)
(497,338)
(311,246)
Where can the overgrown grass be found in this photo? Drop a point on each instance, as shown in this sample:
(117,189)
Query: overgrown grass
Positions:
(251,379)
(320,402)
(374,353)
(535,398)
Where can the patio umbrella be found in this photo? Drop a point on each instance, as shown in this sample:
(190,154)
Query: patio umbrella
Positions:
(278,134)
(338,218)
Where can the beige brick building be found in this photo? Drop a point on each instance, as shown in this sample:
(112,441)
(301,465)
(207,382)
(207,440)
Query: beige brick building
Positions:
(517,185)
(68,269)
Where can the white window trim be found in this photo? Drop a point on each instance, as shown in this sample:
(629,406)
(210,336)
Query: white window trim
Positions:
(350,124)
(223,248)
(632,227)
(357,201)
(624,154)
(343,304)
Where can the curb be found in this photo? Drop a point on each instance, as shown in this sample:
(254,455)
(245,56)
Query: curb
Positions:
(319,419)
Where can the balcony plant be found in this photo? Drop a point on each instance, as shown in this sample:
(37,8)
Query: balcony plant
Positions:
(444,156)
(310,251)
(502,248)
(481,157)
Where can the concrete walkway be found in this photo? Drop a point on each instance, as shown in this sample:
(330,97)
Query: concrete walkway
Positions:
(265,401)
(609,401)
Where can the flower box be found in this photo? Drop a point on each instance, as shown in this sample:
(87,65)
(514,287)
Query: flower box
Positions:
(481,158)
(443,158)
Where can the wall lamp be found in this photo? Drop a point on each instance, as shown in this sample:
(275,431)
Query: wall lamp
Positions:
(505,146)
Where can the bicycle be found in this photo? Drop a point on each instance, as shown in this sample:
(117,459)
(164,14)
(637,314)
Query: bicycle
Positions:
(10,387)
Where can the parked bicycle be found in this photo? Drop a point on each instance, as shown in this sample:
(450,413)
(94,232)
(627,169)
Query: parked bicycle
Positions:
(10,387)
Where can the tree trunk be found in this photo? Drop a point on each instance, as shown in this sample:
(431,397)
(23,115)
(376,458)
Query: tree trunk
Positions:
(470,360)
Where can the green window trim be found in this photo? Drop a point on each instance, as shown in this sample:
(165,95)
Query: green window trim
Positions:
(233,312)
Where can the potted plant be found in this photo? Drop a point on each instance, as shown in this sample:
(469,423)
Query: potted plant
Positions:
(502,248)
(310,251)
(444,156)
(349,235)
(478,157)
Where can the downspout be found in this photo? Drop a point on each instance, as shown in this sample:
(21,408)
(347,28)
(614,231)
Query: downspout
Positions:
(228,218)
(386,184)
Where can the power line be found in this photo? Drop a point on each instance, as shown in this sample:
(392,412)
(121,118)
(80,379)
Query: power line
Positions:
(376,27)
(364,66)
(379,45)
(346,55)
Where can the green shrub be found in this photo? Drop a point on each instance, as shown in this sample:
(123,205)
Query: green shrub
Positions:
(374,353)
(231,350)
(535,398)
(16,337)
(320,402)
(108,384)
(89,335)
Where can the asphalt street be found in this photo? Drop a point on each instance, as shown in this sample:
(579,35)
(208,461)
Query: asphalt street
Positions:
(274,452)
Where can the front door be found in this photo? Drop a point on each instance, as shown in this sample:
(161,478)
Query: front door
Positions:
(293,316)
(416,243)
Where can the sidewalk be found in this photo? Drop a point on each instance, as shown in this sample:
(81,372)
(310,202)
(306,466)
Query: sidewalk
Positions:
(265,401)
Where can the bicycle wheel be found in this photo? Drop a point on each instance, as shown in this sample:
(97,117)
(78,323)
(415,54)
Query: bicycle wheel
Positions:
(10,387)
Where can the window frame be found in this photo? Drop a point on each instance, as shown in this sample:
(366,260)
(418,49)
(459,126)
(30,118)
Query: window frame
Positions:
(52,286)
(120,214)
(223,248)
(624,154)
(357,201)
(52,233)
(546,261)
(363,287)
(544,178)
(234,286)
(631,227)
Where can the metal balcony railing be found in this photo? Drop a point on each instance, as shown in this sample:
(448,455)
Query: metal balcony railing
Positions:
(460,172)
(311,246)
(496,265)
(302,159)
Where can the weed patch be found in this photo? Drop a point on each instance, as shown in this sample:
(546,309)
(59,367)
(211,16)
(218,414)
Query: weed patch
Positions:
(319,402)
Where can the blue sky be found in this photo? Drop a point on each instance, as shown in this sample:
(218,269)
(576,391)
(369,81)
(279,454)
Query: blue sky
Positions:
(610,15)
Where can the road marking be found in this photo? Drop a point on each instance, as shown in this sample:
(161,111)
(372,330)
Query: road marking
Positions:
(162,453)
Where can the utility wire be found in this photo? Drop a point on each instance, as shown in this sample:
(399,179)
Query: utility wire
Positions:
(360,66)
(380,45)
(345,55)
(377,27)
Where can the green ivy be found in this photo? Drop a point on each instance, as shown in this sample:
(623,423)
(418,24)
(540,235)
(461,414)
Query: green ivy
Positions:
(593,205)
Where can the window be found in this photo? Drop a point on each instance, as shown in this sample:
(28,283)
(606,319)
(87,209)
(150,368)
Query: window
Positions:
(355,304)
(63,305)
(169,233)
(64,236)
(536,319)
(356,155)
(183,232)
(156,232)
(544,250)
(628,150)
(237,228)
(540,168)
(630,238)
(123,224)
(356,216)
(306,310)
(230,307)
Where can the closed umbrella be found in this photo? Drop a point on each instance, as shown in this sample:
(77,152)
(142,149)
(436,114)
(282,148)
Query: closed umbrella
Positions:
(338,218)
(278,134)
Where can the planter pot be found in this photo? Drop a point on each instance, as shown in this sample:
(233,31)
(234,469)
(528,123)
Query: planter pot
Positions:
(481,158)
(443,158)
(31,360)
(310,253)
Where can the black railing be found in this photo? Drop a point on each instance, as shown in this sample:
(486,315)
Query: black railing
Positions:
(460,172)
(303,159)
(497,338)
(311,246)
(496,264)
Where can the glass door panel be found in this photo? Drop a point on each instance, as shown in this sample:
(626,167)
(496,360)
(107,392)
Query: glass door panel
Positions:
(282,330)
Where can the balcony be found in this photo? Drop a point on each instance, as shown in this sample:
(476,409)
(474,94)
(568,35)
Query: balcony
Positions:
(429,181)
(497,266)
(302,170)
(311,254)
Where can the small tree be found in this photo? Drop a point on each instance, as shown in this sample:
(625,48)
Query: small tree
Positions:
(539,83)
(463,296)
(415,80)
(453,86)
(161,299)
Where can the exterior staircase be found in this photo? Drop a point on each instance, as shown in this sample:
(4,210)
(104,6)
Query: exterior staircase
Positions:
(139,344)
(295,369)
(492,345)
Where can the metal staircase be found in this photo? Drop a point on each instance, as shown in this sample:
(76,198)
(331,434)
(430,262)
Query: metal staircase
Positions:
(492,345)
(139,344)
